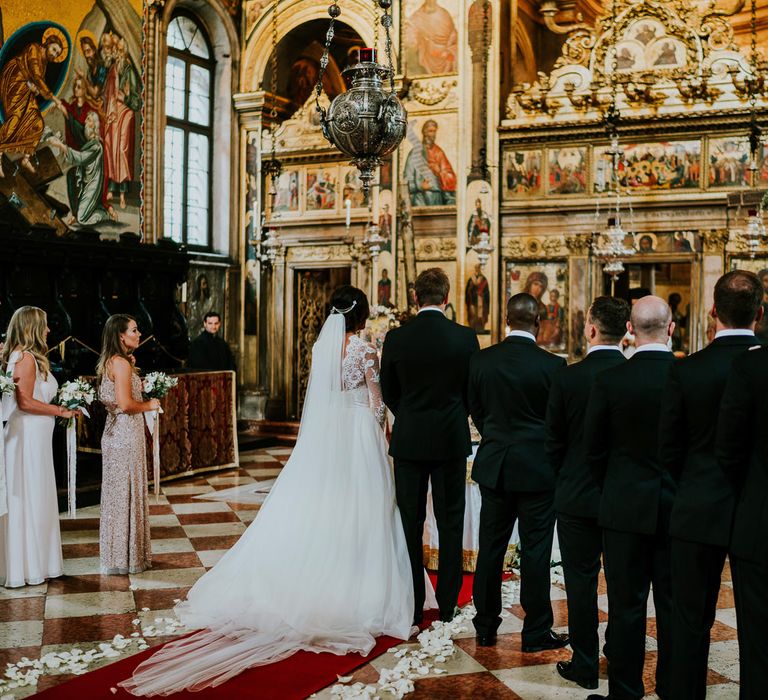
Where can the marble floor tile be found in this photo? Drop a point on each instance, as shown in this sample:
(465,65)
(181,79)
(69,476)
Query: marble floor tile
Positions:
(83,604)
(83,565)
(476,686)
(159,598)
(178,544)
(247,516)
(264,473)
(723,691)
(88,512)
(508,653)
(725,599)
(80,536)
(191,490)
(170,578)
(727,616)
(249,459)
(459,662)
(21,633)
(167,533)
(22,609)
(214,529)
(67,524)
(218,542)
(74,551)
(175,560)
(87,583)
(210,557)
(207,518)
(279,451)
(85,646)
(200,507)
(165,520)
(67,630)
(543,682)
(23,592)
(724,659)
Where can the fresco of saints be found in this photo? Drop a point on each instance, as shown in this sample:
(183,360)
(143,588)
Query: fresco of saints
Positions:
(477,297)
(428,172)
(122,99)
(22,82)
(431,39)
(88,166)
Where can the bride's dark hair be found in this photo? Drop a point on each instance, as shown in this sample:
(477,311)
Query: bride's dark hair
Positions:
(353,302)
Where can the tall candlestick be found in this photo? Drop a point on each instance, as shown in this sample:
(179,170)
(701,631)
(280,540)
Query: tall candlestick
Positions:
(348,205)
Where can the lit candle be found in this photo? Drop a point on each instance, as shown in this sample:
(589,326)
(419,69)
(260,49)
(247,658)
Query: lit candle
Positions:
(348,205)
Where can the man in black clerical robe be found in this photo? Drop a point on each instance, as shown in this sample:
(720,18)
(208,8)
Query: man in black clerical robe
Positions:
(577,497)
(621,437)
(208,351)
(508,389)
(702,512)
(424,370)
(742,450)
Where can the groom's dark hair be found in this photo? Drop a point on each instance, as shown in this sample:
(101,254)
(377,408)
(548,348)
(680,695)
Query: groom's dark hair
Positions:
(354,305)
(432,287)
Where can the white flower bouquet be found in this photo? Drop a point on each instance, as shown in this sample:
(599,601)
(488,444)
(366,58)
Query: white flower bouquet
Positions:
(158,384)
(76,394)
(7,385)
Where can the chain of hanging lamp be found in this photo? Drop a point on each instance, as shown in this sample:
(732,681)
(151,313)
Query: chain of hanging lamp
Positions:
(273,166)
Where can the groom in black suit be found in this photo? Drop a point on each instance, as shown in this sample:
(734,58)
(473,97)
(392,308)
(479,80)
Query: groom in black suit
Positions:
(703,508)
(424,371)
(742,450)
(577,497)
(621,437)
(508,388)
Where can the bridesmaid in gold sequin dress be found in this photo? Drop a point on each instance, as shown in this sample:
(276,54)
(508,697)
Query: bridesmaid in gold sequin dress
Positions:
(124,539)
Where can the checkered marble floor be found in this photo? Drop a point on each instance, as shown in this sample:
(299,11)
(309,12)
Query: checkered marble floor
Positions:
(189,536)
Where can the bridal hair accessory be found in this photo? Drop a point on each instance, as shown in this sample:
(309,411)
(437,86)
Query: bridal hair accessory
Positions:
(334,310)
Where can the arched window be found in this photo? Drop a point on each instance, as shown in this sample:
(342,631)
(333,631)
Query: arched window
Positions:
(189,75)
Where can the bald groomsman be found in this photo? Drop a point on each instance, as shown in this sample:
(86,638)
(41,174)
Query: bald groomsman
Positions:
(577,497)
(508,388)
(742,449)
(702,513)
(621,436)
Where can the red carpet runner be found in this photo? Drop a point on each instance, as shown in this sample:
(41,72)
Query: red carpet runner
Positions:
(294,678)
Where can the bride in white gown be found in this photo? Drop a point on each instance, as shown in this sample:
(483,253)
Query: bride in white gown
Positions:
(324,566)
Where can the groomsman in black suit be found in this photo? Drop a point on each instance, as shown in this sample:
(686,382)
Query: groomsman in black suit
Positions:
(424,372)
(621,437)
(577,497)
(702,512)
(742,449)
(508,388)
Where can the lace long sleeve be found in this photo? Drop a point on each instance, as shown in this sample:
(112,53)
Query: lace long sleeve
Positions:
(371,365)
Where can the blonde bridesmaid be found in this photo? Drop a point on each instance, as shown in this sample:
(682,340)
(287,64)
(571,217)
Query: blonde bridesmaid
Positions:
(124,539)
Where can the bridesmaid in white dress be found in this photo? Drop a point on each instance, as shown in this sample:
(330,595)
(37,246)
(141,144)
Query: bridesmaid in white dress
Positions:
(30,541)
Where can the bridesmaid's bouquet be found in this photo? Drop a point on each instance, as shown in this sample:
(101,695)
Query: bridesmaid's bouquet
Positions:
(75,395)
(158,384)
(7,385)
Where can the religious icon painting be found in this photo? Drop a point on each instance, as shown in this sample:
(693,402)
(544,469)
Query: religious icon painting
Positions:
(428,167)
(522,173)
(431,39)
(650,167)
(567,170)
(477,296)
(729,162)
(321,189)
(287,193)
(547,282)
(352,188)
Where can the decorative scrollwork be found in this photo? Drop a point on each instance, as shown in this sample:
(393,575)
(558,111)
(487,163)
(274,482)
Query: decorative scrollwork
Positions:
(429,92)
(714,241)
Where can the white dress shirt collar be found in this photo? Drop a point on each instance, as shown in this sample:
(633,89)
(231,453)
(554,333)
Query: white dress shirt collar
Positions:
(653,347)
(431,308)
(595,348)
(522,334)
(730,332)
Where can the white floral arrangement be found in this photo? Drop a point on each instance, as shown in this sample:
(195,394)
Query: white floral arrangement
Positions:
(381,320)
(158,384)
(75,395)
(7,385)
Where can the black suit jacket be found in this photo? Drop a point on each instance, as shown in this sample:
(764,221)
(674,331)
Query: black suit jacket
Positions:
(621,436)
(576,492)
(508,389)
(424,372)
(704,502)
(742,449)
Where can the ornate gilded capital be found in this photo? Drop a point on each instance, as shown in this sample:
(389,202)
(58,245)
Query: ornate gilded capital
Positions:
(156,6)
(435,249)
(579,243)
(512,247)
(714,241)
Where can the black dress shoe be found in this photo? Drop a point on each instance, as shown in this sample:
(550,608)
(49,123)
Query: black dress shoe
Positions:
(551,641)
(597,696)
(565,669)
(486,640)
(448,617)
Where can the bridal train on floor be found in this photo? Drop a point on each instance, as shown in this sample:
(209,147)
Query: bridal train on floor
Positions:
(324,566)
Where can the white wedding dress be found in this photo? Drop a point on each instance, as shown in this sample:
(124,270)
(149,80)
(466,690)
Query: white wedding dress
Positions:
(324,566)
(30,539)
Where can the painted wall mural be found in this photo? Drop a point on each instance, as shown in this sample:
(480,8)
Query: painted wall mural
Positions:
(431,39)
(429,169)
(70,86)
